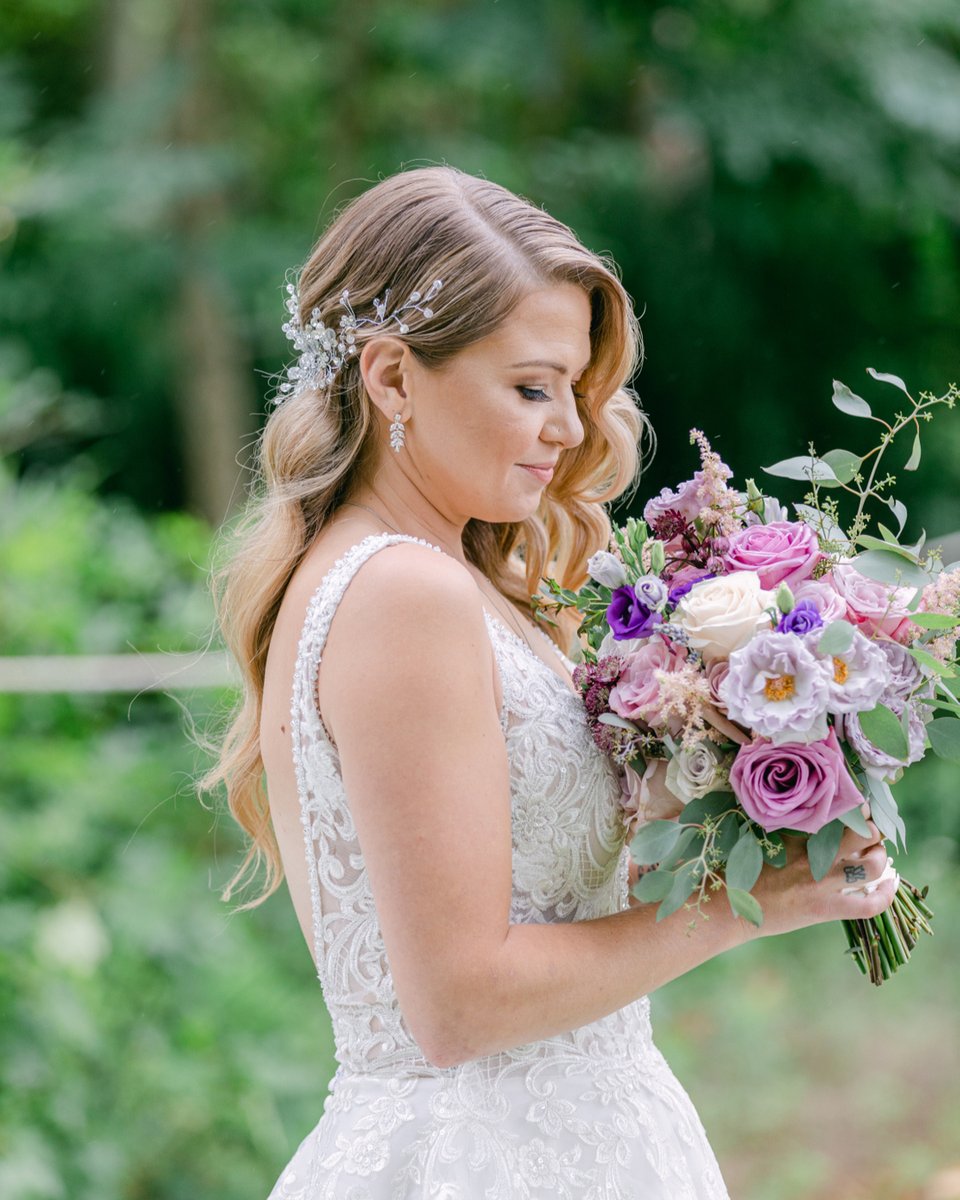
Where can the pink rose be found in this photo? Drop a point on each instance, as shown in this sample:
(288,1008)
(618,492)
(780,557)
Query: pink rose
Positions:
(637,693)
(646,796)
(780,552)
(796,785)
(716,673)
(876,607)
(830,604)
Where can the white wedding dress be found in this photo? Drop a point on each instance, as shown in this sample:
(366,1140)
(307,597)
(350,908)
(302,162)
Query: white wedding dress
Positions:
(593,1114)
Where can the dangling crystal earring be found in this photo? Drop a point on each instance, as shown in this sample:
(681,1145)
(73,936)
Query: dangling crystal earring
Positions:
(398,433)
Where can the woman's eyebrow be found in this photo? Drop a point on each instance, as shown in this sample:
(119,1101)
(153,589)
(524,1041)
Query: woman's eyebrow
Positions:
(542,362)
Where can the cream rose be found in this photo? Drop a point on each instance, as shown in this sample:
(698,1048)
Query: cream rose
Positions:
(721,615)
(696,770)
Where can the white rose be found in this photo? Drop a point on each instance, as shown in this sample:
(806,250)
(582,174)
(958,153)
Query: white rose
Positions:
(607,569)
(622,649)
(695,771)
(721,615)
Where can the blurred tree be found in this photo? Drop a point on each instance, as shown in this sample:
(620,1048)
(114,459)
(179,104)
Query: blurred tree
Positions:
(778,180)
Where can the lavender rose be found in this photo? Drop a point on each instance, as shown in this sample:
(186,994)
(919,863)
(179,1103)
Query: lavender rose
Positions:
(629,617)
(683,500)
(801,619)
(779,688)
(780,552)
(796,785)
(907,677)
(877,762)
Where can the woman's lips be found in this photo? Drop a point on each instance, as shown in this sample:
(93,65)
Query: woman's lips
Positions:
(544,474)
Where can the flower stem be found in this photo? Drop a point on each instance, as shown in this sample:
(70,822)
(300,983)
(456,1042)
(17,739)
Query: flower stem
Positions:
(881,945)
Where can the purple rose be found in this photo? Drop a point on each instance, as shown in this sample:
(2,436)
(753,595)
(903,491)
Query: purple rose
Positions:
(803,617)
(797,785)
(629,617)
(780,552)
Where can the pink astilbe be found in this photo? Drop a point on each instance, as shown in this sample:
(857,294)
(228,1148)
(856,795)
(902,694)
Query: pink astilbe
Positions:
(721,507)
(681,697)
(941,596)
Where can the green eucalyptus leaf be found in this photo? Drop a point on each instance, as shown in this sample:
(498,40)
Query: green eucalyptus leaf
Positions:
(654,841)
(779,859)
(926,659)
(844,464)
(746,906)
(745,862)
(684,882)
(653,886)
(875,543)
(935,620)
(884,810)
(887,534)
(937,702)
(899,511)
(837,638)
(804,468)
(848,402)
(881,725)
(887,567)
(711,805)
(894,379)
(614,719)
(855,820)
(914,460)
(728,834)
(823,523)
(944,735)
(683,849)
(822,848)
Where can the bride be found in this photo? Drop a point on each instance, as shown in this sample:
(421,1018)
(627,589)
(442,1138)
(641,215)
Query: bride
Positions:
(450,837)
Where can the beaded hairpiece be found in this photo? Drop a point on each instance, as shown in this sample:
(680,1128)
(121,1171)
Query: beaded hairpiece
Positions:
(324,349)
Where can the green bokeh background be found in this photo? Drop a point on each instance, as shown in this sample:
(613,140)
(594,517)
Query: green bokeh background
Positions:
(780,183)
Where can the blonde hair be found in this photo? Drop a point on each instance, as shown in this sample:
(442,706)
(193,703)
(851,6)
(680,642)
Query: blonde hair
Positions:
(490,248)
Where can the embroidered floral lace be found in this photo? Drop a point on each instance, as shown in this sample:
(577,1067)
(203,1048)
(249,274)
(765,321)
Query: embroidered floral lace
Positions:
(595,1113)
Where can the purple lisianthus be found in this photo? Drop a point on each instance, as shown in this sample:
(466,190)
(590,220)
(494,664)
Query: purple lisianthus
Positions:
(677,593)
(629,617)
(800,786)
(779,688)
(858,676)
(801,619)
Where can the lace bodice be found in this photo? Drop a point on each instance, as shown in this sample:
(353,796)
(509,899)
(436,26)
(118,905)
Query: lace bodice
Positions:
(568,857)
(591,1114)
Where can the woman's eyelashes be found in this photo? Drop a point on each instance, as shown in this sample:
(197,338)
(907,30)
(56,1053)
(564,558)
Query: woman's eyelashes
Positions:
(536,393)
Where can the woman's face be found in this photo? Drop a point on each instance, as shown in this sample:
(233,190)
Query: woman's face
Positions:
(486,429)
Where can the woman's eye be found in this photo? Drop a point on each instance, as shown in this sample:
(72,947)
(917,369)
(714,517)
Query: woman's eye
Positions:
(530,393)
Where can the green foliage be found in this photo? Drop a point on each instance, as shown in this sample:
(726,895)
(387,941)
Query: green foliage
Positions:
(153,1044)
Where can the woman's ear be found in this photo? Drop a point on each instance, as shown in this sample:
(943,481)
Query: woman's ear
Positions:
(384,368)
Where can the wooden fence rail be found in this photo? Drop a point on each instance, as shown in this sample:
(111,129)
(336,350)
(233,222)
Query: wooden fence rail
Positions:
(116,672)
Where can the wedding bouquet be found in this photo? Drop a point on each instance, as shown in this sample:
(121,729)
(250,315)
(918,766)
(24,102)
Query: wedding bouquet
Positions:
(756,673)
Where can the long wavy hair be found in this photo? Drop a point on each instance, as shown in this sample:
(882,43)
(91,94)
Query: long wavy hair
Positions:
(491,248)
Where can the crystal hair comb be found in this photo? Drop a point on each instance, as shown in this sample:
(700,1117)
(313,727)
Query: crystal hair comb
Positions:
(323,349)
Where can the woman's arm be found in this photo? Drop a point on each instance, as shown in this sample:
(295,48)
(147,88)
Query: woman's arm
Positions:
(407,691)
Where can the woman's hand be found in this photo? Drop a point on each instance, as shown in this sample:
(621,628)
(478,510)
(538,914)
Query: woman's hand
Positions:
(792,899)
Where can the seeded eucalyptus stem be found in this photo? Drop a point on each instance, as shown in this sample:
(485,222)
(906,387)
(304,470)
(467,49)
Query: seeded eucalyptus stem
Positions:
(880,945)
